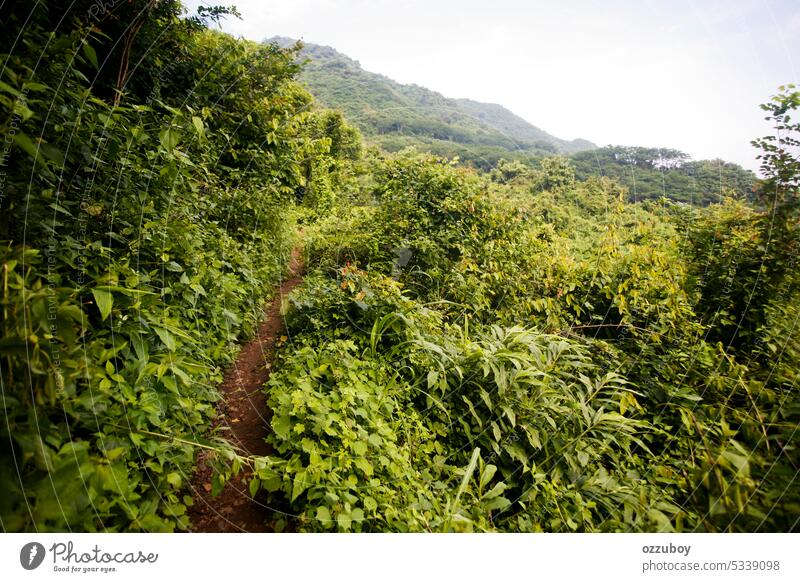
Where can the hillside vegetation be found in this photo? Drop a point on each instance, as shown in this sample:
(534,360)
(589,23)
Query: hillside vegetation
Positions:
(394,115)
(517,350)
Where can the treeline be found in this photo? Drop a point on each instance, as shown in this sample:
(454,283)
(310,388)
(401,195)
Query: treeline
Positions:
(652,173)
(646,174)
(149,171)
(395,116)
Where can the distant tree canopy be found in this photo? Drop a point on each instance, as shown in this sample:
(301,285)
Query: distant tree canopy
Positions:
(652,173)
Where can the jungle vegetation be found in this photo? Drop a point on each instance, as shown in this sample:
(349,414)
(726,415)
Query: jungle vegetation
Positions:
(515,348)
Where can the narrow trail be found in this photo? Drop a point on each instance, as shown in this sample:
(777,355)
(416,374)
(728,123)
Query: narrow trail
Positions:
(243,413)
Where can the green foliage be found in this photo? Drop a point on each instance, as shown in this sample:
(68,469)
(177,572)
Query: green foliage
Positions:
(511,171)
(141,230)
(370,371)
(370,423)
(334,168)
(556,174)
(483,135)
(729,249)
(522,350)
(780,191)
(780,160)
(650,174)
(358,457)
(568,336)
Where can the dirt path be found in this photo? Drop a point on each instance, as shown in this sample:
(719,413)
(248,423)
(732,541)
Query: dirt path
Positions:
(243,412)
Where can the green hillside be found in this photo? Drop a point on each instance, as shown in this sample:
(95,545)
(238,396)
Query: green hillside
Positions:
(394,116)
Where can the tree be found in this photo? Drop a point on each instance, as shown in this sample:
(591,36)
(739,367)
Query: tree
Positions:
(780,189)
(746,257)
(780,153)
(557,174)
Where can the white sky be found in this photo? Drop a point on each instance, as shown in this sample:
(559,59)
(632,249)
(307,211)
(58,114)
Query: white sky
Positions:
(672,73)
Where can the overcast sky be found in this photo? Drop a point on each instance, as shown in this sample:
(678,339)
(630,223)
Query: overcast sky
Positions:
(674,73)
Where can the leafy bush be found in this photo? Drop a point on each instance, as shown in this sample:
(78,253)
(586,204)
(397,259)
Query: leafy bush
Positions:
(522,351)
(626,416)
(371,421)
(140,234)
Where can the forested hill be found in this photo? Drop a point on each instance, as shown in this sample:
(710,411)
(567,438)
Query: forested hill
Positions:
(394,115)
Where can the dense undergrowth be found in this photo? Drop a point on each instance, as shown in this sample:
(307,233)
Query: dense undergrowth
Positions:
(520,350)
(538,357)
(145,220)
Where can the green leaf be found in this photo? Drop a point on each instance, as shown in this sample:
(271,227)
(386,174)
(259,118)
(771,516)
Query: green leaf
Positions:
(166,337)
(31,86)
(104,301)
(487,475)
(198,126)
(281,426)
(9,89)
(510,415)
(473,462)
(170,383)
(364,465)
(344,521)
(52,153)
(323,515)
(24,142)
(300,484)
(139,346)
(217,484)
(169,138)
(90,54)
(497,503)
(498,489)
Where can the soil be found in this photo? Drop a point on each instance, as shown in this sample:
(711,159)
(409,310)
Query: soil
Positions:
(244,419)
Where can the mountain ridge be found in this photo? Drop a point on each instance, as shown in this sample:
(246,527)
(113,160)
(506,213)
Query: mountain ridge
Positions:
(393,115)
(396,115)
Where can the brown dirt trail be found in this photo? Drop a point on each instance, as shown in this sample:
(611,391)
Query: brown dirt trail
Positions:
(244,418)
